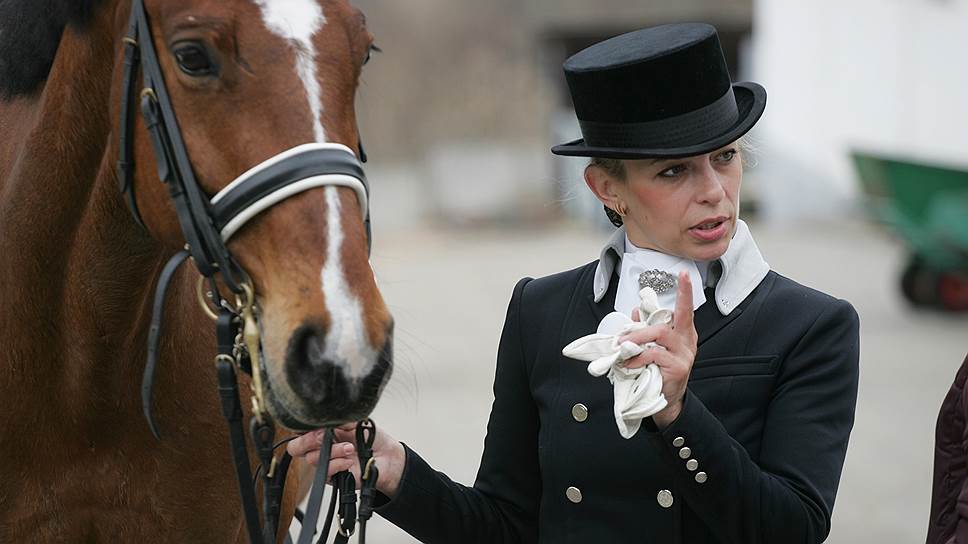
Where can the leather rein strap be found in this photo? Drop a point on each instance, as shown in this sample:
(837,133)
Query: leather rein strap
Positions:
(207,224)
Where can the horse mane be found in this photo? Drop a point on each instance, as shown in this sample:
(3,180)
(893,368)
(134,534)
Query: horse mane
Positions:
(30,31)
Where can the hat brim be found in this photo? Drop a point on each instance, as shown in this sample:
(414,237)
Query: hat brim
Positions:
(750,103)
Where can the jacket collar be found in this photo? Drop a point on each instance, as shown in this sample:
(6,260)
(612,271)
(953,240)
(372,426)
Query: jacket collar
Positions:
(742,268)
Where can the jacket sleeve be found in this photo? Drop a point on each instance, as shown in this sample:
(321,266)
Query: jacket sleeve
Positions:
(788,495)
(957,472)
(502,506)
(949,492)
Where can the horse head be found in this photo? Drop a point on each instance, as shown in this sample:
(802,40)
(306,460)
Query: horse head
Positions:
(254,84)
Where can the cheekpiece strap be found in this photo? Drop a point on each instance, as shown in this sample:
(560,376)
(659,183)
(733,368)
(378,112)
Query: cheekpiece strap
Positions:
(175,169)
(125,166)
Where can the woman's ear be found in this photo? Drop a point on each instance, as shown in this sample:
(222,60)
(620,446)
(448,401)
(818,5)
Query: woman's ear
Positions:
(603,185)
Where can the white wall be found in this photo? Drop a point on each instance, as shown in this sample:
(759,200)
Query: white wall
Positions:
(882,75)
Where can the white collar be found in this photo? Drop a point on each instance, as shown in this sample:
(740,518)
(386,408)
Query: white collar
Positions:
(743,267)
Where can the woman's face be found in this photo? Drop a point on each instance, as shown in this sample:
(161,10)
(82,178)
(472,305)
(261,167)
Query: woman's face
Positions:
(686,207)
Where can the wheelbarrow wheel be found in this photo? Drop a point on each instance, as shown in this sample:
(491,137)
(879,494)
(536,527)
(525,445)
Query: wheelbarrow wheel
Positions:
(953,291)
(919,284)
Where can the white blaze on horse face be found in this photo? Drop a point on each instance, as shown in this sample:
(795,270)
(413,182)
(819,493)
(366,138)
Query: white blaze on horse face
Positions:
(298,21)
(346,343)
(346,339)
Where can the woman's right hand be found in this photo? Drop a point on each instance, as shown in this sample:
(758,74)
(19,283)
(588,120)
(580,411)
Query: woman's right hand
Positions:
(388,454)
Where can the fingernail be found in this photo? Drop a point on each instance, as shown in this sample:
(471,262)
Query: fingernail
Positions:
(348,448)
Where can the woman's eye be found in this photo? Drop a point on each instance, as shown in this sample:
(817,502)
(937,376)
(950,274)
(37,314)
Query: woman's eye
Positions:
(194,60)
(673,171)
(726,156)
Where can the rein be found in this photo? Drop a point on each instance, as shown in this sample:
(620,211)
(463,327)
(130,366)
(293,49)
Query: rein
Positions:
(207,224)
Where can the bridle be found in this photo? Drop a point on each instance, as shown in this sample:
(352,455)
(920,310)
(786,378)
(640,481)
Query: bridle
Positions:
(207,224)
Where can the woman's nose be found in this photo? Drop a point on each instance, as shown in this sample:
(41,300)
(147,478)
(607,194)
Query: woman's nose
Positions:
(711,186)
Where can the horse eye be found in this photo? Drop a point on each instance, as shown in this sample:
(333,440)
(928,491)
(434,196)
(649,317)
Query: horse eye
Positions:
(194,60)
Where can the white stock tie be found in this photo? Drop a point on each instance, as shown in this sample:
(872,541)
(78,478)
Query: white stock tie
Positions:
(633,264)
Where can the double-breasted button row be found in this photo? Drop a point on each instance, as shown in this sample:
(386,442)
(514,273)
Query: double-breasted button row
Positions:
(685,452)
(580,413)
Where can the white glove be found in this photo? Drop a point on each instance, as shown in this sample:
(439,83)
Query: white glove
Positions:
(637,391)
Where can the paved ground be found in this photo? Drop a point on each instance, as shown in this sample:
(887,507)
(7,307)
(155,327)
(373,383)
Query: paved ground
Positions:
(448,292)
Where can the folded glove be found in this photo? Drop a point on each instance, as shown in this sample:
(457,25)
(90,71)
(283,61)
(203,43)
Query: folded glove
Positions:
(637,391)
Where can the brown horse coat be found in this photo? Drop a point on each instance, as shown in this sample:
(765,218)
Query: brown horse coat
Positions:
(77,274)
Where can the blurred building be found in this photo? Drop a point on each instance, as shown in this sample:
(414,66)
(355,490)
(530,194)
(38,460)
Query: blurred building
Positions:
(884,77)
(454,114)
(460,111)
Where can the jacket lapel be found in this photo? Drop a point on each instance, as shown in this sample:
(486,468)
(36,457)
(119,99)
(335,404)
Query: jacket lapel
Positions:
(709,320)
(606,305)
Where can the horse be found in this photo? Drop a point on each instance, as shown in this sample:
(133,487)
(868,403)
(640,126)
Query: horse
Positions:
(249,81)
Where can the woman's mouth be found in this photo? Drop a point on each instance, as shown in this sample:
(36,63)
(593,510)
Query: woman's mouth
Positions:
(710,230)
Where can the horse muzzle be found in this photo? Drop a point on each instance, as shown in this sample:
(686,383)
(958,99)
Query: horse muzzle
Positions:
(318,388)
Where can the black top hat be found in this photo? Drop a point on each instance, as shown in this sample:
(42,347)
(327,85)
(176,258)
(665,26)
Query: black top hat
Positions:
(658,92)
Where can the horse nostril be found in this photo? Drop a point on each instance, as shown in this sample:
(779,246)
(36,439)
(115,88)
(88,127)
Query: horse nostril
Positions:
(310,373)
(306,346)
(323,388)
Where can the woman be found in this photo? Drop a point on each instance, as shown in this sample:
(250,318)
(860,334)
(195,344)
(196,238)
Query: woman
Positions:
(760,381)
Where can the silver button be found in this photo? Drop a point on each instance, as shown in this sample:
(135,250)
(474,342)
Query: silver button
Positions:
(579,412)
(685,452)
(701,477)
(573,494)
(664,498)
(678,442)
(692,464)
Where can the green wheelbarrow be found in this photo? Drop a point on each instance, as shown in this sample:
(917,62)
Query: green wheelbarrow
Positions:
(927,207)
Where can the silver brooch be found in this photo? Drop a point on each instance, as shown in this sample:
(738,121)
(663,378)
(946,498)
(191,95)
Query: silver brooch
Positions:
(659,280)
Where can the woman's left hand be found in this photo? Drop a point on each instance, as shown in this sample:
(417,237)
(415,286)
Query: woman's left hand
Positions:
(675,361)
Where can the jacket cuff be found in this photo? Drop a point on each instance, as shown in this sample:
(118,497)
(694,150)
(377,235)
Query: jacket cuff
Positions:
(410,497)
(691,442)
